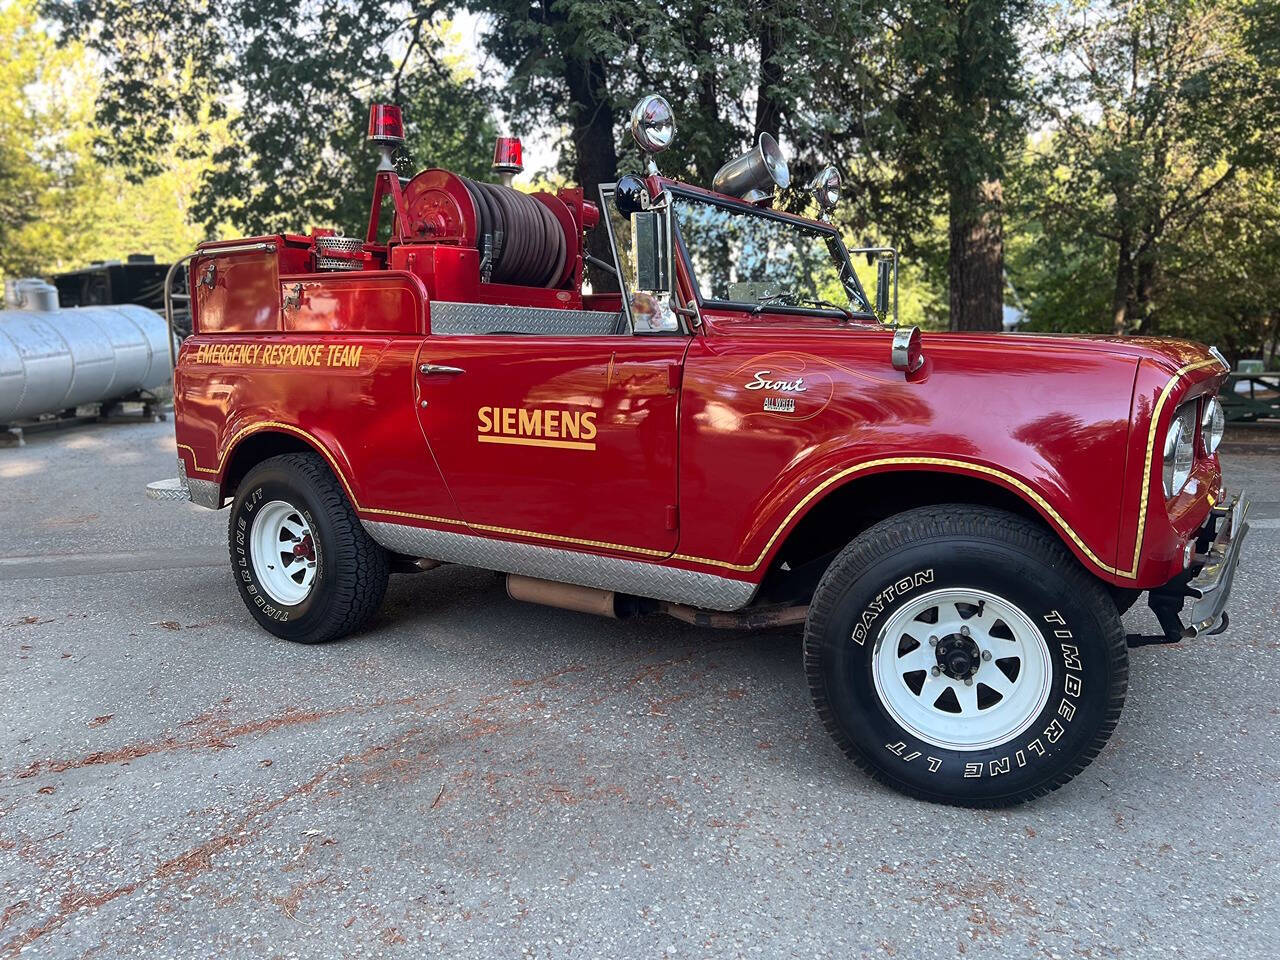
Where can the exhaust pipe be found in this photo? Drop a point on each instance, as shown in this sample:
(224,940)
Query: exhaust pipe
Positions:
(606,603)
(566,596)
(753,618)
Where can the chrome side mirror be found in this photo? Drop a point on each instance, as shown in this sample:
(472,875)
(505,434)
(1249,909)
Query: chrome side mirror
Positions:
(884,281)
(886,295)
(651,244)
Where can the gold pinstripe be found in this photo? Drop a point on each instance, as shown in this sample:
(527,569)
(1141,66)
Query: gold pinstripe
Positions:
(965,465)
(1132,572)
(903,461)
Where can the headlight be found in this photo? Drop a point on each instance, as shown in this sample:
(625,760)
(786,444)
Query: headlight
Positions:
(653,125)
(825,188)
(1213,423)
(1179,449)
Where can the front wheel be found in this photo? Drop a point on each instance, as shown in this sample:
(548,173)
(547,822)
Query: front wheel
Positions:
(960,654)
(303,563)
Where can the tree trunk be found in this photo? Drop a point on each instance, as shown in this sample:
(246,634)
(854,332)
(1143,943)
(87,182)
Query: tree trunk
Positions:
(976,262)
(1124,285)
(768,106)
(596,159)
(703,22)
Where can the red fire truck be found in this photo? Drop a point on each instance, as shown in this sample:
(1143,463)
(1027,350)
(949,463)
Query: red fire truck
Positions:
(722,426)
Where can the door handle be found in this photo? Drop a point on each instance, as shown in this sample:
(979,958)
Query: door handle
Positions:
(439,368)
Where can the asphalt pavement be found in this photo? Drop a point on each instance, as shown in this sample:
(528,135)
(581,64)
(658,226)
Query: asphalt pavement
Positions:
(477,778)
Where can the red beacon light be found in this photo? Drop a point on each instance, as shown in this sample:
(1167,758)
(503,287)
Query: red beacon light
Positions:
(386,130)
(507,159)
(385,124)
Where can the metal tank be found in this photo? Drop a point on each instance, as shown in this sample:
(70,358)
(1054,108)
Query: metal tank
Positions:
(53,359)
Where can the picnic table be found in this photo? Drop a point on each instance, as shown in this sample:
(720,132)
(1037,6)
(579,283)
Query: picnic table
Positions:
(1251,396)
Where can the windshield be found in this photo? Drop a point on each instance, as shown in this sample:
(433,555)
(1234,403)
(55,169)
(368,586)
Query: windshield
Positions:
(739,255)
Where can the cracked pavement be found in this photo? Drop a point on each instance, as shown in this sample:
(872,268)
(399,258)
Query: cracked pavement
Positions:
(475,777)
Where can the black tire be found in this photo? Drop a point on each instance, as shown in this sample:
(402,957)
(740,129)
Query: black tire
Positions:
(351,569)
(897,565)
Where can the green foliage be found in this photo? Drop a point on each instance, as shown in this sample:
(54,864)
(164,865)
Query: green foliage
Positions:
(300,159)
(294,82)
(61,205)
(953,92)
(1159,109)
(1146,191)
(23,177)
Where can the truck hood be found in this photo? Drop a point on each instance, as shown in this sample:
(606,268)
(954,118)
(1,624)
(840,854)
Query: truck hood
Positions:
(1173,355)
(1170,355)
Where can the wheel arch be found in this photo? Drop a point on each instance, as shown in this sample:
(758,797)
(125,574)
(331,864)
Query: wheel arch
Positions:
(841,513)
(254,445)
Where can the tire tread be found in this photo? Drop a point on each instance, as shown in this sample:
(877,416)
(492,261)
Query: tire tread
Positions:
(950,520)
(358,577)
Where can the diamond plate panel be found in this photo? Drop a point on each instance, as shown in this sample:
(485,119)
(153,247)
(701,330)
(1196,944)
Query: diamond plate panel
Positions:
(202,492)
(480,318)
(171,489)
(566,566)
(205,493)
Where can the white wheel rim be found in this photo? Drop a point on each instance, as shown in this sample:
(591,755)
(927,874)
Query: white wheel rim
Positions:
(284,552)
(928,697)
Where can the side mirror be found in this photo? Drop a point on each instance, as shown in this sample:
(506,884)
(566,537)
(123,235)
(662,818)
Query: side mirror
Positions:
(884,281)
(651,243)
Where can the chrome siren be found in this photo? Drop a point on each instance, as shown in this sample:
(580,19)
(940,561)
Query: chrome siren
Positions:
(757,174)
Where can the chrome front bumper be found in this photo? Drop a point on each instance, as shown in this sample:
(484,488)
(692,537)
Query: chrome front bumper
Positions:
(1210,588)
(1207,585)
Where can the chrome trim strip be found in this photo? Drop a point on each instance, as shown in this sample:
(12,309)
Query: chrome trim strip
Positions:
(637,577)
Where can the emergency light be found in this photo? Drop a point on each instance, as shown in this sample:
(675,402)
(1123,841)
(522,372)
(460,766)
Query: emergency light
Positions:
(385,124)
(507,159)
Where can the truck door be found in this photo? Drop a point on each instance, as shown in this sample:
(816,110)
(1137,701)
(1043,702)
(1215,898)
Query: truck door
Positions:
(567,440)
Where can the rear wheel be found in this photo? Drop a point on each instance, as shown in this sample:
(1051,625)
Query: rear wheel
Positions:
(960,654)
(303,563)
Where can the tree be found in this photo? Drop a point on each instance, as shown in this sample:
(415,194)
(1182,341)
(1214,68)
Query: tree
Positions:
(295,154)
(953,92)
(23,178)
(1157,107)
(62,205)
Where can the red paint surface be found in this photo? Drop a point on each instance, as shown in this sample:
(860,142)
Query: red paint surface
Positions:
(1063,423)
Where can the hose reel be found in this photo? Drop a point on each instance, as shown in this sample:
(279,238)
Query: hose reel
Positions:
(524,239)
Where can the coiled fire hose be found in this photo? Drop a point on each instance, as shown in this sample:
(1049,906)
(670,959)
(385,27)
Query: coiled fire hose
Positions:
(525,242)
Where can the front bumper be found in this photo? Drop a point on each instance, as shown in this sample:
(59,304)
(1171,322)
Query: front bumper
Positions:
(1210,589)
(1208,585)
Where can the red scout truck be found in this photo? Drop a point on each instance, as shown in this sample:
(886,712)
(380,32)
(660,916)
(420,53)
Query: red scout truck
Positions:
(733,435)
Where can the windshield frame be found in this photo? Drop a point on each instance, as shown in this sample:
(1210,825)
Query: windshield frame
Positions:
(741,206)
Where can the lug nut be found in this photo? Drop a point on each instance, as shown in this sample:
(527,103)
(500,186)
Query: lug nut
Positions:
(986,654)
(933,641)
(935,671)
(968,681)
(964,631)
